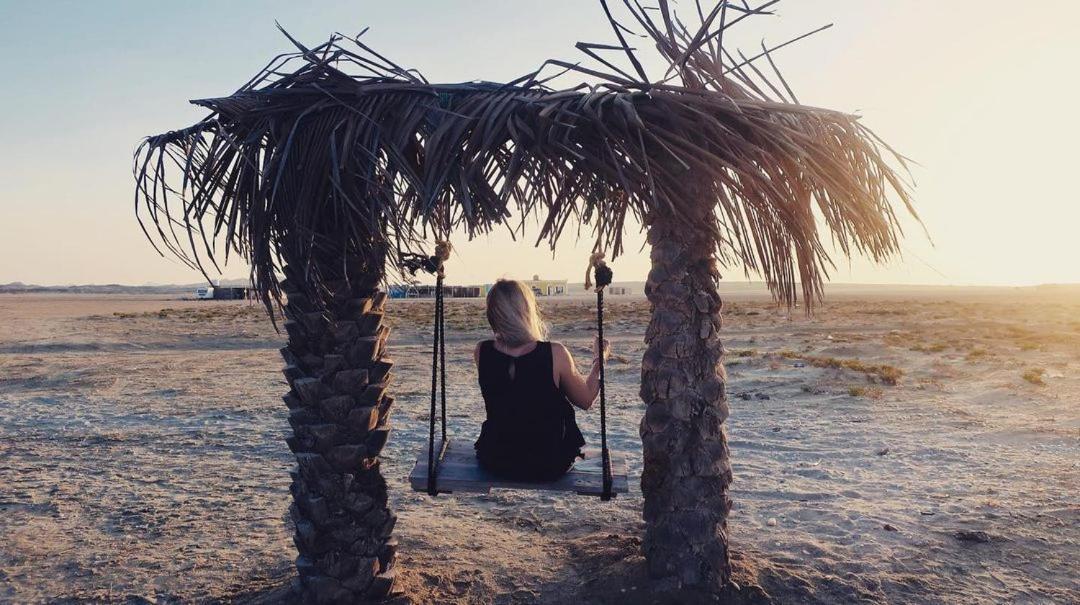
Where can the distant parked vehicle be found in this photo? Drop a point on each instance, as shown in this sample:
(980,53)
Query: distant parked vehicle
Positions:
(205,293)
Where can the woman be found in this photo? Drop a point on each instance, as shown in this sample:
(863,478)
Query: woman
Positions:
(530,387)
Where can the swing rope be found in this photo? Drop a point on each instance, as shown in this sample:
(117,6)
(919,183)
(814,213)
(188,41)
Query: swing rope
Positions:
(438,360)
(603,275)
(435,265)
(438,354)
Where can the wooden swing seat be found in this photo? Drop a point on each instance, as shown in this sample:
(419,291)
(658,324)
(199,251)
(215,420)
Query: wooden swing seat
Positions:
(459,471)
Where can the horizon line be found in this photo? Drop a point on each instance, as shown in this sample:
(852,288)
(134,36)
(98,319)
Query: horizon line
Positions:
(570,281)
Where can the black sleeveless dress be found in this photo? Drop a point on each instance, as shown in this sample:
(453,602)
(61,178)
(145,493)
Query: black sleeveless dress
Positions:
(531,433)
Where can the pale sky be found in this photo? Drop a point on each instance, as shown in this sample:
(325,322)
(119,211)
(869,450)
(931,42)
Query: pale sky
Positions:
(981,93)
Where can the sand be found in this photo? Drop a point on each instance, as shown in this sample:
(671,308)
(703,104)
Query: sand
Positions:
(142,456)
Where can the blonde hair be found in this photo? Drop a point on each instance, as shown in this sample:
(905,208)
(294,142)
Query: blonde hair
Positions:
(513,315)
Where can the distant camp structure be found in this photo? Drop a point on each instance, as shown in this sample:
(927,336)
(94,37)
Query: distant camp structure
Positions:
(546,287)
(223,293)
(542,287)
(419,291)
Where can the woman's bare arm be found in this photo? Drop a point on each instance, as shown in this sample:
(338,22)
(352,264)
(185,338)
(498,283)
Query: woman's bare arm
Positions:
(580,389)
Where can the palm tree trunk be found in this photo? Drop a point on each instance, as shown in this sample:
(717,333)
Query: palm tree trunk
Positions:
(338,374)
(687,470)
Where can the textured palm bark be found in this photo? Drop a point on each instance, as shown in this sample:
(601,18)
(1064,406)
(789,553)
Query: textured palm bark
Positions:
(339,409)
(687,470)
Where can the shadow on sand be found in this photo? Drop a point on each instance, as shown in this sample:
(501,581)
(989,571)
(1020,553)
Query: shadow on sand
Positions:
(606,570)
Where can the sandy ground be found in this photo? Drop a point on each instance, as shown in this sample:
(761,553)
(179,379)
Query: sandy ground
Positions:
(142,456)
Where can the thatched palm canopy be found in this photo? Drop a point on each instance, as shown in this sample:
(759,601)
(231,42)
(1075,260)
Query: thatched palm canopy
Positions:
(338,143)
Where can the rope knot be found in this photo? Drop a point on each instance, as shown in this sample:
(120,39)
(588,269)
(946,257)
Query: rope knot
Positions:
(599,268)
(413,262)
(442,254)
(443,249)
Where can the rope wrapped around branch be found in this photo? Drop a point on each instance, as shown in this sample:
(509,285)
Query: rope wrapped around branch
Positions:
(599,268)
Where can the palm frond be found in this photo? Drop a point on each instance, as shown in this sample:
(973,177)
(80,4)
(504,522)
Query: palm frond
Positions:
(338,148)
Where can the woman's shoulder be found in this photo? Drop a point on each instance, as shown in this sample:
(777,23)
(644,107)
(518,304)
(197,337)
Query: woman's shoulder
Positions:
(559,352)
(481,347)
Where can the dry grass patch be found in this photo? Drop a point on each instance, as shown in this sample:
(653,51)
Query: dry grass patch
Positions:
(866,391)
(937,347)
(885,373)
(1035,376)
(884,312)
(211,312)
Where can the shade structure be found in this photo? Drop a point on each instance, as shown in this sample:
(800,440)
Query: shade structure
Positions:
(334,160)
(338,141)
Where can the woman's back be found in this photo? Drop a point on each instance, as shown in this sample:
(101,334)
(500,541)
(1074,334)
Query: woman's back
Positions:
(531,432)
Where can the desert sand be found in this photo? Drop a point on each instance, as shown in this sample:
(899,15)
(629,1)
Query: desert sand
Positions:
(142,455)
